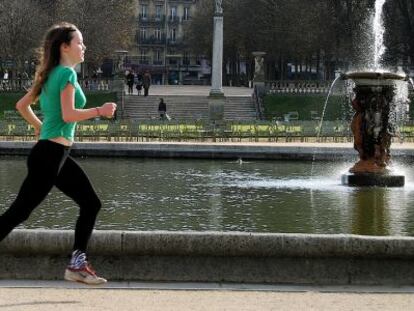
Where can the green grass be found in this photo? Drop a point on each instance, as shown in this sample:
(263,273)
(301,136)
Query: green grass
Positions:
(95,99)
(8,100)
(338,107)
(279,105)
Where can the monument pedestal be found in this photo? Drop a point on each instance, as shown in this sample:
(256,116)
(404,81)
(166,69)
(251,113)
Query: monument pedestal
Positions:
(118,87)
(216,103)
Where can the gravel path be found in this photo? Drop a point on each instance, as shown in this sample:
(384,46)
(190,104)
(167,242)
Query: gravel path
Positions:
(57,299)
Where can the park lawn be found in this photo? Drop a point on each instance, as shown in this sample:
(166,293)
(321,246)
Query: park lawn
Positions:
(276,106)
(338,108)
(8,100)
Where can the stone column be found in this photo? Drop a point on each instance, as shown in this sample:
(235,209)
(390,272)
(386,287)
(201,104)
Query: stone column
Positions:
(217,72)
(216,98)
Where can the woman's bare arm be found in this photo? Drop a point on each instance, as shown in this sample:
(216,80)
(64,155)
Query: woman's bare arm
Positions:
(23,106)
(71,114)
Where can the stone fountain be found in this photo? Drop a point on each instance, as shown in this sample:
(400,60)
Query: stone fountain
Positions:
(372,129)
(374,102)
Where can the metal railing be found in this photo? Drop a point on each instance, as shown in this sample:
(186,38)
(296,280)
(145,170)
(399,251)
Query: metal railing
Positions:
(96,84)
(151,18)
(152,40)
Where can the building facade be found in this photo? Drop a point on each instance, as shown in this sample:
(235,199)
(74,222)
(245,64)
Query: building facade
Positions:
(160,46)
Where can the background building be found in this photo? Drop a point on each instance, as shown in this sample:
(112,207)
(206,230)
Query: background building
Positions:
(160,44)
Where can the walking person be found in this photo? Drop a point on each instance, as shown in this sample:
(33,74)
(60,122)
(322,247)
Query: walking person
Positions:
(130,82)
(49,164)
(139,87)
(162,109)
(146,82)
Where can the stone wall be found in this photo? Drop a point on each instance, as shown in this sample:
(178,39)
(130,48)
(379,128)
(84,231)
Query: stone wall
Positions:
(215,257)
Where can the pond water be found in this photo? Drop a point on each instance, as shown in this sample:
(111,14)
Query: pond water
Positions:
(220,195)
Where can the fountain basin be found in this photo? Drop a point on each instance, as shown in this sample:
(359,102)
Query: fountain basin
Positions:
(373,78)
(227,195)
(373,179)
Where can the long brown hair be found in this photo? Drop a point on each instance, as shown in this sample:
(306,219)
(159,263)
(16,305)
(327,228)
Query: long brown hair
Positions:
(49,54)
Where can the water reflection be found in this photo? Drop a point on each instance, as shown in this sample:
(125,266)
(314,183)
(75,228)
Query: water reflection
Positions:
(370,214)
(215,200)
(262,196)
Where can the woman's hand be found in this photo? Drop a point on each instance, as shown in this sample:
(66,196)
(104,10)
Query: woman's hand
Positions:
(37,132)
(107,110)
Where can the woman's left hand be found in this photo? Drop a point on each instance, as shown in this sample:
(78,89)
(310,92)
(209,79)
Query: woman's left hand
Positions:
(107,110)
(37,132)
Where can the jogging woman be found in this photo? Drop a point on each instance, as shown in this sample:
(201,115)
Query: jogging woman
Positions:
(49,164)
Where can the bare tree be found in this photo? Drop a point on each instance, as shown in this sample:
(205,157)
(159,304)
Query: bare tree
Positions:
(399,21)
(22,24)
(301,34)
(107,26)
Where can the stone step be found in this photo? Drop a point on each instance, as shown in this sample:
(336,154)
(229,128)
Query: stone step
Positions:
(188,107)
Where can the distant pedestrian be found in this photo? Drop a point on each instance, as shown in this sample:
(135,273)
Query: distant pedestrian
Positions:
(130,82)
(146,82)
(138,86)
(162,109)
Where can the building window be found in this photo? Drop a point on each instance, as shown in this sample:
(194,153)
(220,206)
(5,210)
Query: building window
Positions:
(173,13)
(172,59)
(186,58)
(143,57)
(157,57)
(173,34)
(158,34)
(144,11)
(186,16)
(158,12)
(143,34)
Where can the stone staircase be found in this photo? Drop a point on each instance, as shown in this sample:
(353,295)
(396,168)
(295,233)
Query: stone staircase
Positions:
(181,107)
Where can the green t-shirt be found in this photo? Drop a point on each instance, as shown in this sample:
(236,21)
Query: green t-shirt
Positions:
(53,125)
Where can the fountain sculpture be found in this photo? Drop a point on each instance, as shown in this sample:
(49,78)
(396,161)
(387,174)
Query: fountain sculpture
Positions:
(374,102)
(372,129)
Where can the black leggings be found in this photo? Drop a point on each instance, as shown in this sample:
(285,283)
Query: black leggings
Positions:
(49,164)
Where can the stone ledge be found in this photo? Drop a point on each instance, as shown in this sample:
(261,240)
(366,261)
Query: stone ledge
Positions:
(302,152)
(196,150)
(234,244)
(215,257)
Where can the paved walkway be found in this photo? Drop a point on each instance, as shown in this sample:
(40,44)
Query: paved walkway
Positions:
(193,90)
(64,296)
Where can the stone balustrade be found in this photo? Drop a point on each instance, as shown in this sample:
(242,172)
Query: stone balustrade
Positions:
(297,87)
(15,85)
(21,85)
